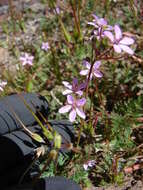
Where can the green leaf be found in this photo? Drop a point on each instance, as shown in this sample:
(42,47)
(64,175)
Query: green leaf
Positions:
(29,86)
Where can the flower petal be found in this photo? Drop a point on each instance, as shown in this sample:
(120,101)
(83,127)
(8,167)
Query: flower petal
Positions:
(127,41)
(109,35)
(3,83)
(1,89)
(65,109)
(82,86)
(70,99)
(22,58)
(91,163)
(72,115)
(84,72)
(85,166)
(80,113)
(67,92)
(97,74)
(80,93)
(86,64)
(75,82)
(81,102)
(118,32)
(91,23)
(96,65)
(127,49)
(67,84)
(117,48)
(102,22)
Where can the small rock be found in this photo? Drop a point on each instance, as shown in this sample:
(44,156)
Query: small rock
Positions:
(4,56)
(37,7)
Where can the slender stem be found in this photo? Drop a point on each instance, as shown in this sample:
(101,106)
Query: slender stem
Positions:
(90,71)
(12,14)
(97,90)
(80,131)
(75,17)
(65,32)
(79,9)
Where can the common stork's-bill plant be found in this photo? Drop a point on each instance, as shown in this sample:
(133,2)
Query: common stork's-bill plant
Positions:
(117,42)
(27,59)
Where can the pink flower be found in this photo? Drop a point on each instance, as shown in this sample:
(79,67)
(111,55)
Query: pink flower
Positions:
(75,108)
(100,25)
(26,59)
(90,164)
(74,87)
(120,43)
(57,10)
(45,46)
(95,70)
(2,85)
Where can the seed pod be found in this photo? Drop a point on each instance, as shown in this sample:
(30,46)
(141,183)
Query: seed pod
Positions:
(57,141)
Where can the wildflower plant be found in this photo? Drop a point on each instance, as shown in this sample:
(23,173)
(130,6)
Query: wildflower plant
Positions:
(102,47)
(45,46)
(75,106)
(89,164)
(27,59)
(120,43)
(117,42)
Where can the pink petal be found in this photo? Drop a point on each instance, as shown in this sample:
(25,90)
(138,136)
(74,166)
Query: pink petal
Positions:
(102,22)
(3,83)
(109,27)
(31,58)
(85,166)
(29,63)
(98,74)
(72,115)
(67,92)
(80,93)
(117,48)
(22,58)
(75,82)
(91,23)
(81,102)
(84,62)
(65,109)
(127,49)
(1,89)
(127,41)
(80,113)
(118,32)
(87,64)
(26,55)
(97,65)
(84,72)
(109,35)
(70,99)
(91,163)
(82,86)
(66,84)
